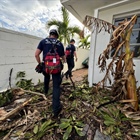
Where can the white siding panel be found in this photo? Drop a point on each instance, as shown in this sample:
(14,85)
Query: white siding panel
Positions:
(2,60)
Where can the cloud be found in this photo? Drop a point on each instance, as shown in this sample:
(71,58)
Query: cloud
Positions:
(29,16)
(50,3)
(0,24)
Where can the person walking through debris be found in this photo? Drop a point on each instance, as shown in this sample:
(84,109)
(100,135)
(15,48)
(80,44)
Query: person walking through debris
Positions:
(70,53)
(53,55)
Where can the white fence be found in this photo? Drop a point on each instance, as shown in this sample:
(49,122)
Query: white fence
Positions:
(17,52)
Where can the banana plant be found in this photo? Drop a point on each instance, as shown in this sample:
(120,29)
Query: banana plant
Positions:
(120,67)
(68,125)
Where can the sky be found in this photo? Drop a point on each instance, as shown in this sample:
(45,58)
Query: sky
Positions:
(31,16)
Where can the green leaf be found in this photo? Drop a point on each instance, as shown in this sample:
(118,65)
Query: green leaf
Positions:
(71,95)
(73,117)
(67,133)
(79,131)
(65,120)
(45,124)
(20,74)
(74,103)
(28,135)
(107,122)
(64,125)
(42,131)
(80,124)
(35,130)
(110,129)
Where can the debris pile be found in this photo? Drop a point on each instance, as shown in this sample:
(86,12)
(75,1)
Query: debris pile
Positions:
(27,114)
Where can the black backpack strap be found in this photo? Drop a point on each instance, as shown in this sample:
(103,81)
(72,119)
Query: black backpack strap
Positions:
(57,41)
(53,44)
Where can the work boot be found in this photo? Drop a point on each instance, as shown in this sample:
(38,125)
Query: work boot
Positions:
(70,75)
(56,114)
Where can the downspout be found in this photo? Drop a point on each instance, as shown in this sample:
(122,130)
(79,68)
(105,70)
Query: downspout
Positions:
(92,53)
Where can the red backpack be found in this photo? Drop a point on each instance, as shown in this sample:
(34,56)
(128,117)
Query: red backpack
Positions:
(52,60)
(68,51)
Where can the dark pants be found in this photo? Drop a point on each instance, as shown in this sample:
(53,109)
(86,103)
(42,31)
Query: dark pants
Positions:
(56,90)
(70,63)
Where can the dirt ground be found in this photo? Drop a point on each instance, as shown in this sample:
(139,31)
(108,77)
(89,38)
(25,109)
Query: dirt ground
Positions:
(79,74)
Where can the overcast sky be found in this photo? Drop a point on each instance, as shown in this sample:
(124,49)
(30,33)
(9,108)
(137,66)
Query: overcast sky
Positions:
(30,16)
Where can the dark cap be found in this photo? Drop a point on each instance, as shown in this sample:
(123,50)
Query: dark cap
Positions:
(72,40)
(54,32)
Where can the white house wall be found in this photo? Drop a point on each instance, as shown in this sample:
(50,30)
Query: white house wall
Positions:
(82,54)
(17,52)
(103,38)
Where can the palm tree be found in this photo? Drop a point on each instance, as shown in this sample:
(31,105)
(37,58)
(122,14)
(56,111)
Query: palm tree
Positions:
(65,31)
(84,43)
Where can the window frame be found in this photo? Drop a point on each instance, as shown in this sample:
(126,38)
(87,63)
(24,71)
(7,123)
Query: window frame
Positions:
(127,15)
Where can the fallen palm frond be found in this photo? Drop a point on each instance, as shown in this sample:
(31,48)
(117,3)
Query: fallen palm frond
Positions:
(124,83)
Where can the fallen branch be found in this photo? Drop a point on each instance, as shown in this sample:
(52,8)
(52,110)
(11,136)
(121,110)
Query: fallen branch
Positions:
(14,111)
(9,133)
(115,101)
(107,103)
(32,92)
(11,130)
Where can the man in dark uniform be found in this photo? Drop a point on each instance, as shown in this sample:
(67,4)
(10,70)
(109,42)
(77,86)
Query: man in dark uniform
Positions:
(45,46)
(70,58)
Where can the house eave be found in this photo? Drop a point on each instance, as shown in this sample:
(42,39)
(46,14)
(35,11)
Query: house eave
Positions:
(82,8)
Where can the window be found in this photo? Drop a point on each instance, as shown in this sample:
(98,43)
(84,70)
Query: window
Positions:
(135,36)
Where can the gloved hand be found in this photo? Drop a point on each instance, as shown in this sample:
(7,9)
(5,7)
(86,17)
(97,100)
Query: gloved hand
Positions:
(39,68)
